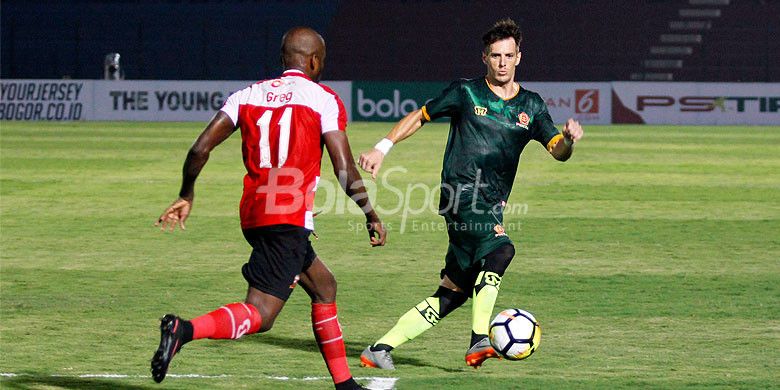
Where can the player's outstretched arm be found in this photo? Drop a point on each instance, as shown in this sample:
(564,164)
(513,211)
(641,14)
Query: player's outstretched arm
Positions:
(345,170)
(218,130)
(572,132)
(371,160)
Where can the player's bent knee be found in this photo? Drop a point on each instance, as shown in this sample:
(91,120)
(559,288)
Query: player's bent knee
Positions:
(449,300)
(320,283)
(498,260)
(324,298)
(268,307)
(325,292)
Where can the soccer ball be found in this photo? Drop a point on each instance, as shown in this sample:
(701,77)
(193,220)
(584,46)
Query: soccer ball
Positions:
(515,334)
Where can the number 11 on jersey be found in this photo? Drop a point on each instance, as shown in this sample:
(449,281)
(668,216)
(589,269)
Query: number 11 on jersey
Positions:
(264,123)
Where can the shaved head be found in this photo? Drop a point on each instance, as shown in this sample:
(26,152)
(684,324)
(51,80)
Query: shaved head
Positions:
(303,49)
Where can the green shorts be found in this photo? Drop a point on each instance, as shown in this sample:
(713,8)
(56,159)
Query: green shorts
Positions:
(472,236)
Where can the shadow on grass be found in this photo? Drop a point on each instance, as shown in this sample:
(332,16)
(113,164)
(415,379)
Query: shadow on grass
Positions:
(354,348)
(32,381)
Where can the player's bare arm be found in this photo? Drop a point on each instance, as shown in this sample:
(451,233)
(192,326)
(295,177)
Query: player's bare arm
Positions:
(344,168)
(572,132)
(218,130)
(371,160)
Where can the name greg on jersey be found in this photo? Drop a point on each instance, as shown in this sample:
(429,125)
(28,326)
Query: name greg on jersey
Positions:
(280,98)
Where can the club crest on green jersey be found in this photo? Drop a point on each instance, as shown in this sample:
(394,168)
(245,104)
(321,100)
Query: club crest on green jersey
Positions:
(523,120)
(480,111)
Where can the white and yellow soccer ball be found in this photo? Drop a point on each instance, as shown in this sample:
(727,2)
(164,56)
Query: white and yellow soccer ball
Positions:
(515,334)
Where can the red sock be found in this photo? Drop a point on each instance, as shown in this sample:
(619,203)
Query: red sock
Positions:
(228,322)
(327,331)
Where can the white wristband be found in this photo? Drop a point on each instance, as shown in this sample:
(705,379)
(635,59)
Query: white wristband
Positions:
(384,146)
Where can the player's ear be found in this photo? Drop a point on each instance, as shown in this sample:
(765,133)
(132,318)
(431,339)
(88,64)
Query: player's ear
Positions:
(484,57)
(314,64)
(519,55)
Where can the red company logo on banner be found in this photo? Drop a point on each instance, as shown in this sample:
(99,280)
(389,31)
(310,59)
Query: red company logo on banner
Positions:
(586,101)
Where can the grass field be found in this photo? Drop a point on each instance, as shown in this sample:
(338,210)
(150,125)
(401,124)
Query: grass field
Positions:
(651,259)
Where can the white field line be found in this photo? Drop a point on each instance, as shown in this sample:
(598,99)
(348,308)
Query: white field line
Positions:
(372,382)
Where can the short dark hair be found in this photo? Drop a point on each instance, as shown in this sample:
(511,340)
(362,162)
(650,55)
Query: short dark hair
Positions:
(503,29)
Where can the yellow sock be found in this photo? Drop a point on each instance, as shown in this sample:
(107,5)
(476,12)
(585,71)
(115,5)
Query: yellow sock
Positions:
(412,324)
(485,294)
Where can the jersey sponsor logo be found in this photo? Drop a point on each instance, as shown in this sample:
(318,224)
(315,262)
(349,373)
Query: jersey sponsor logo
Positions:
(480,111)
(523,120)
(276,83)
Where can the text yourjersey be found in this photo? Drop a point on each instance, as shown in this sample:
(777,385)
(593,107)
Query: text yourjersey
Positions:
(487,135)
(282,122)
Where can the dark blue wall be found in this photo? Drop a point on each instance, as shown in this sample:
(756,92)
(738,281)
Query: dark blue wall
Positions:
(585,40)
(178,40)
(565,40)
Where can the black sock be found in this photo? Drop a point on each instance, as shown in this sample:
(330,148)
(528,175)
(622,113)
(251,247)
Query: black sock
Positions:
(186,332)
(380,347)
(348,384)
(475,338)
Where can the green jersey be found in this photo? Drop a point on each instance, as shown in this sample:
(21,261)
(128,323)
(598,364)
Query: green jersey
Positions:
(487,135)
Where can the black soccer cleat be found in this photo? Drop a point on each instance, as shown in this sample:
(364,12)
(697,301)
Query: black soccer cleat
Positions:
(170,342)
(349,384)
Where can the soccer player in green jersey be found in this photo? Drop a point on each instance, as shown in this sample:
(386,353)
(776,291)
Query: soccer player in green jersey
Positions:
(492,118)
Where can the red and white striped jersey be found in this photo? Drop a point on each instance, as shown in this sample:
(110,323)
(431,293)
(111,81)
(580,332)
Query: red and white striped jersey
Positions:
(282,122)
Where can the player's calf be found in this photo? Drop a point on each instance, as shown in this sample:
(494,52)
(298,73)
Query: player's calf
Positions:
(449,300)
(485,292)
(417,320)
(228,322)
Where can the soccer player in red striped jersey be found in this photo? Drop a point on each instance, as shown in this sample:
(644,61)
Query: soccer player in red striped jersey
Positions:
(284,123)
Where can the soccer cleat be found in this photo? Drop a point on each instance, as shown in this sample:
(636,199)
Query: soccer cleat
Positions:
(376,359)
(350,384)
(480,352)
(170,343)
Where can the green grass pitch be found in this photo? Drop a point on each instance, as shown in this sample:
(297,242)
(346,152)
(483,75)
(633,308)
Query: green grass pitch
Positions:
(651,259)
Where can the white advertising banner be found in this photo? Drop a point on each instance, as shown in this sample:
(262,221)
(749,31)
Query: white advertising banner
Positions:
(46,100)
(696,103)
(102,100)
(163,101)
(588,103)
